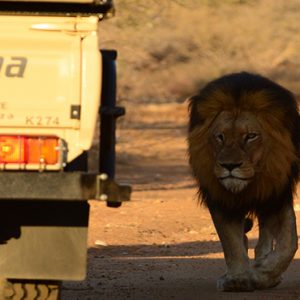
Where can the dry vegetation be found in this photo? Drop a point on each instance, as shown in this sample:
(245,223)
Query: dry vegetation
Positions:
(168,49)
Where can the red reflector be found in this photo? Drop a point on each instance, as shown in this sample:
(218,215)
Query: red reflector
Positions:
(29,150)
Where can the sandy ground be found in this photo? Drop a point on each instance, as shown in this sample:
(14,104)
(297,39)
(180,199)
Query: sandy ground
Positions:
(162,244)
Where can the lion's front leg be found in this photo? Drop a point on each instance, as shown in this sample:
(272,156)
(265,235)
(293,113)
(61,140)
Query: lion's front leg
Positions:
(231,234)
(267,229)
(276,248)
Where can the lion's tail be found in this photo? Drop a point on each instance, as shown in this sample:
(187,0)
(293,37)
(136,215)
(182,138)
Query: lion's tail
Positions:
(248,224)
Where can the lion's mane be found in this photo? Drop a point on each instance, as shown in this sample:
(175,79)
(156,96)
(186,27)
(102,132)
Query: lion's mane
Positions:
(276,111)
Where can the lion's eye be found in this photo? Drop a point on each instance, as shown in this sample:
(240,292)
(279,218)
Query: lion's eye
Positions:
(220,138)
(251,136)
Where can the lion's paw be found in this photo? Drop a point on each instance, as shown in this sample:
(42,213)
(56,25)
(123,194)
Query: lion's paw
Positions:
(263,281)
(236,283)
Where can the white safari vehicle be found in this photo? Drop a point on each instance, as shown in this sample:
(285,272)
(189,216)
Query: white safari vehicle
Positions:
(54,85)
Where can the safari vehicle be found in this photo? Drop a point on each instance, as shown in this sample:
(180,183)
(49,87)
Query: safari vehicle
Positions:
(55,85)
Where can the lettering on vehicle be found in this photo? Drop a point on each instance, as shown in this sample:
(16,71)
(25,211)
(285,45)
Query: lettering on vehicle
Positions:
(7,116)
(3,105)
(14,66)
(41,121)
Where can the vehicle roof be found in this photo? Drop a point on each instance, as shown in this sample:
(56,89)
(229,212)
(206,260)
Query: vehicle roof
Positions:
(60,7)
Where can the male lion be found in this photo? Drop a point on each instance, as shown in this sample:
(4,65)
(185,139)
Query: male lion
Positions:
(244,136)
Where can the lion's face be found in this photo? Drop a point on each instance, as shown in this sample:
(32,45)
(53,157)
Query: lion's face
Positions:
(238,143)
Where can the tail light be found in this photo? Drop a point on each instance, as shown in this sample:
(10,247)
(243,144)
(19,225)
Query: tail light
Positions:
(30,150)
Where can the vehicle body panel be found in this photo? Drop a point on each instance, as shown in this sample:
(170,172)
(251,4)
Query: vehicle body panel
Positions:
(51,85)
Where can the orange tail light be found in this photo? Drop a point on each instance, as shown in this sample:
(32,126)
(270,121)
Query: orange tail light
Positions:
(12,149)
(29,150)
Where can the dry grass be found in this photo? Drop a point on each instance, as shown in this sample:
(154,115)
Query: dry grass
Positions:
(168,49)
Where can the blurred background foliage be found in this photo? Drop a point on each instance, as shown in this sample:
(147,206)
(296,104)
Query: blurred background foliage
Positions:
(169,49)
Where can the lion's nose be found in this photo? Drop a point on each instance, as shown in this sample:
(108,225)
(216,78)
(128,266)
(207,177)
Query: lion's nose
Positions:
(231,167)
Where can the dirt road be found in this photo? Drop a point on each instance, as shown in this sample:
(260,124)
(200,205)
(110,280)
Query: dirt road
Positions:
(162,244)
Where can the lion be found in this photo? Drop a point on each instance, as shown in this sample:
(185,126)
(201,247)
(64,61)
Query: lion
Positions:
(243,146)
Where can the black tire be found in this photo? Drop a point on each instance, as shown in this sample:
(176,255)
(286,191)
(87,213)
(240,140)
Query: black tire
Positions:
(30,290)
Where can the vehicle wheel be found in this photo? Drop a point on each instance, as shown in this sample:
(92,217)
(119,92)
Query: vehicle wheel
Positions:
(30,290)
